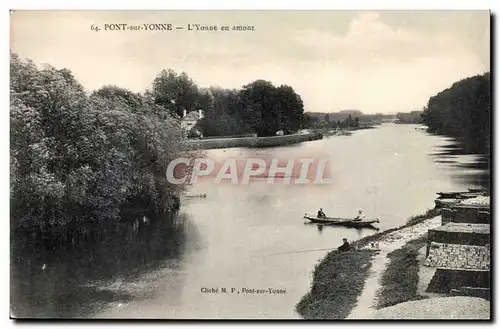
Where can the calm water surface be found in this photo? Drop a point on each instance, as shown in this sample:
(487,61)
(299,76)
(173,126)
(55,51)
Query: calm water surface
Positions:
(245,236)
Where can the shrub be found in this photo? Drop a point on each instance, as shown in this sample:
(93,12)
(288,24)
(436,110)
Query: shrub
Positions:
(79,158)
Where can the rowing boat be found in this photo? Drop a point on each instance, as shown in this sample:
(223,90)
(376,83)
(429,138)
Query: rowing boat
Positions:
(477,190)
(460,195)
(348,222)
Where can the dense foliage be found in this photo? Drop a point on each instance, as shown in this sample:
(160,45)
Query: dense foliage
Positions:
(326,121)
(413,117)
(463,111)
(178,92)
(80,158)
(222,117)
(258,107)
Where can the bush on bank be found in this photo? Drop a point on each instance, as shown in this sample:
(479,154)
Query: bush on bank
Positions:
(80,158)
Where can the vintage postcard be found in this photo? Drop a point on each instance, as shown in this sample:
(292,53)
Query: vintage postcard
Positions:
(292,165)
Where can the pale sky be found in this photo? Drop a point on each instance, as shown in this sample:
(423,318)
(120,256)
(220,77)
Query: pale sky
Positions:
(387,61)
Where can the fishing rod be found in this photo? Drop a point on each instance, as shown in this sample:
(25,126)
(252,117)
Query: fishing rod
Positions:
(297,252)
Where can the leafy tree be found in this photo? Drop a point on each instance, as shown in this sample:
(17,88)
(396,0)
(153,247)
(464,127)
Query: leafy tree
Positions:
(463,111)
(290,107)
(115,93)
(83,159)
(258,107)
(222,117)
(267,109)
(175,92)
(306,121)
(349,122)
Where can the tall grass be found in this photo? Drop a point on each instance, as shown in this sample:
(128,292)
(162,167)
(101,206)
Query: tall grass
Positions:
(400,279)
(337,283)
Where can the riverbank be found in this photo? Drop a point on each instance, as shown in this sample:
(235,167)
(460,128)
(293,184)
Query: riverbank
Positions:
(337,283)
(250,142)
(342,131)
(400,281)
(360,270)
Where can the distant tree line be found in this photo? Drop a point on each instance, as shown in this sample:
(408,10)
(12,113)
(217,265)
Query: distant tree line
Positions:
(335,116)
(324,121)
(413,117)
(463,111)
(258,107)
(344,119)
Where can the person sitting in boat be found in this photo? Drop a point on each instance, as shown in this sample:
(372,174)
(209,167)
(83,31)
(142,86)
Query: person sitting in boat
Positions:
(360,216)
(321,214)
(345,246)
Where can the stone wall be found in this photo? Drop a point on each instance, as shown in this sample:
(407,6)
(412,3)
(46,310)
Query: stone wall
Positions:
(445,280)
(471,237)
(455,256)
(465,215)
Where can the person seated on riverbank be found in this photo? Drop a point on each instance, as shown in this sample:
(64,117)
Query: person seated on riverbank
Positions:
(360,216)
(321,214)
(345,246)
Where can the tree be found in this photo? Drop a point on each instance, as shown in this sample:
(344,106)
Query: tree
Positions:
(463,111)
(256,101)
(116,93)
(349,122)
(222,117)
(82,159)
(175,92)
(290,109)
(267,109)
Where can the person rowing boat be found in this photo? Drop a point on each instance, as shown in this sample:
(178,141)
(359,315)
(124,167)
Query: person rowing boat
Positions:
(321,214)
(359,217)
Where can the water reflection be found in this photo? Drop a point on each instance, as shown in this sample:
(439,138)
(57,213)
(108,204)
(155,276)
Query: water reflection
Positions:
(50,281)
(467,168)
(149,270)
(358,230)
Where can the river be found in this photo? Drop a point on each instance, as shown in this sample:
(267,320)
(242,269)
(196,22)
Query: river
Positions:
(245,236)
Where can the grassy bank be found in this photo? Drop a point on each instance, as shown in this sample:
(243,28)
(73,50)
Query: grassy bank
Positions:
(250,142)
(338,281)
(410,222)
(400,279)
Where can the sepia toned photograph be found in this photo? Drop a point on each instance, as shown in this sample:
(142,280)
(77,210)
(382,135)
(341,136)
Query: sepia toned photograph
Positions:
(250,165)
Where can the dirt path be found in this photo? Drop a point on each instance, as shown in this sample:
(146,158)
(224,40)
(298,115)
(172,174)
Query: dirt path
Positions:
(365,307)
